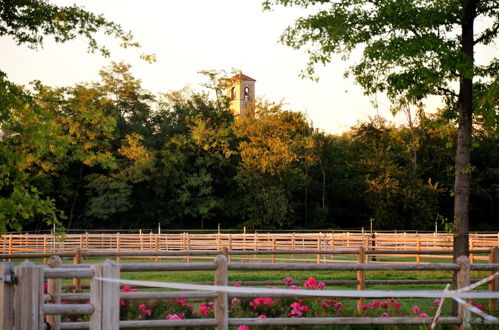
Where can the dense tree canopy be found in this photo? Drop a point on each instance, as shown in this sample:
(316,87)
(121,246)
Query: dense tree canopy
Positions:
(111,154)
(412,50)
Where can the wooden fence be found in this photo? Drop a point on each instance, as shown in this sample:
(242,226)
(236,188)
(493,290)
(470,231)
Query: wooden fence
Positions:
(23,305)
(419,242)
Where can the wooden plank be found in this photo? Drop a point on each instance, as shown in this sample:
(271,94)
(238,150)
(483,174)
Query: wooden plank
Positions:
(76,261)
(28,297)
(6,296)
(54,290)
(56,310)
(494,284)
(361,284)
(338,267)
(222,300)
(463,280)
(340,320)
(104,297)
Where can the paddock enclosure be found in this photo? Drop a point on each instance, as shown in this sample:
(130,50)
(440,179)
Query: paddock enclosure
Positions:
(97,294)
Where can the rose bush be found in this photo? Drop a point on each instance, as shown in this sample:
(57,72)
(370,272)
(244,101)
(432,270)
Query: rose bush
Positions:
(268,307)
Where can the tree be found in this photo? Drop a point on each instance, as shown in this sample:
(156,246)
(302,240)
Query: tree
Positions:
(411,50)
(30,22)
(271,172)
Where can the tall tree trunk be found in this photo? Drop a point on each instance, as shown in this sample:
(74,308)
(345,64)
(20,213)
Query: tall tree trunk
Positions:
(463,166)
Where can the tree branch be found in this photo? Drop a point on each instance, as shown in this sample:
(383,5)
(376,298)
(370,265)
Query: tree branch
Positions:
(487,34)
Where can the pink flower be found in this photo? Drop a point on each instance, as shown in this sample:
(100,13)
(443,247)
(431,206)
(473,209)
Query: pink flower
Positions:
(173,317)
(297,309)
(237,285)
(262,316)
(310,283)
(243,327)
(234,301)
(376,304)
(436,302)
(122,303)
(126,288)
(204,309)
(145,311)
(260,301)
(364,307)
(385,314)
(321,285)
(396,304)
(293,287)
(385,304)
(480,306)
(337,304)
(416,309)
(181,301)
(289,281)
(423,315)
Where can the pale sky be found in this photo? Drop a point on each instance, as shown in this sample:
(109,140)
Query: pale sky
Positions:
(192,35)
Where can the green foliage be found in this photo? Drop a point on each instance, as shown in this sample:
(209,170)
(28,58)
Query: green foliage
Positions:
(45,131)
(109,154)
(409,49)
(29,22)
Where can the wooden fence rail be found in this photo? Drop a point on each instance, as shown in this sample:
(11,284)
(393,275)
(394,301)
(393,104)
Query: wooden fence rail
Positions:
(33,243)
(275,245)
(31,305)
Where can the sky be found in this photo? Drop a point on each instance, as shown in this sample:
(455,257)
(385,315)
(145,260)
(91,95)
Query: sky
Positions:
(188,36)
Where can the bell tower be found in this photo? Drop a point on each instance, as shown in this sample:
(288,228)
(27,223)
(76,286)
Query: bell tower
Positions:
(241,92)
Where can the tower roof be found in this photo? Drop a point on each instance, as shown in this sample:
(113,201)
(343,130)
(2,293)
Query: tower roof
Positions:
(242,76)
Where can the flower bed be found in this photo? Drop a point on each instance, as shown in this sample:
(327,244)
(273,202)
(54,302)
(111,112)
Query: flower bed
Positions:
(267,307)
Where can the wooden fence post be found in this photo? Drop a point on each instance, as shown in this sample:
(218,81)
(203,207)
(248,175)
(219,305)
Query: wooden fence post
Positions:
(273,248)
(44,249)
(10,246)
(229,248)
(463,280)
(472,247)
(222,300)
(319,247)
(361,279)
(105,297)
(331,243)
(54,290)
(28,297)
(77,260)
(118,246)
(373,246)
(494,284)
(255,245)
(141,240)
(6,296)
(244,239)
(188,245)
(156,246)
(418,247)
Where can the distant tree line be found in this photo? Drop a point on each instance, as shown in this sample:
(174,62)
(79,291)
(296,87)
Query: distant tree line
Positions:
(110,154)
